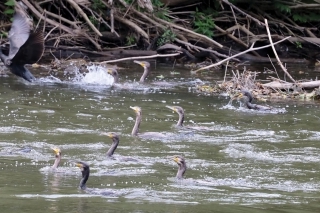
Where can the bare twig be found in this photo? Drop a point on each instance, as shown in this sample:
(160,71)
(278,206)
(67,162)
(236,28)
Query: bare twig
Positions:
(275,52)
(141,57)
(203,49)
(80,11)
(241,53)
(236,8)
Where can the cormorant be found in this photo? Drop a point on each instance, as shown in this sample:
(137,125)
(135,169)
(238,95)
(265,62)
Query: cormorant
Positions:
(114,73)
(115,143)
(26,46)
(182,166)
(136,126)
(247,98)
(85,170)
(57,153)
(180,112)
(146,66)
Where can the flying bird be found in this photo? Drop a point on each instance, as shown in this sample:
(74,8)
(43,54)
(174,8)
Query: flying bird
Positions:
(26,45)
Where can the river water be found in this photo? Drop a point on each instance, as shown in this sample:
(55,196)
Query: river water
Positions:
(238,160)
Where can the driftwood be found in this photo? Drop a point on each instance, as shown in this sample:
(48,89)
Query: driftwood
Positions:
(86,24)
(290,86)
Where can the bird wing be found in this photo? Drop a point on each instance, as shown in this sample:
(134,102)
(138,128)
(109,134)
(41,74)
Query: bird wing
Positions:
(19,32)
(31,51)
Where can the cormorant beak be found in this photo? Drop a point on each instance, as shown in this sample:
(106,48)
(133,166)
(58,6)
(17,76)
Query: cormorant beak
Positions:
(141,63)
(237,96)
(176,159)
(134,108)
(56,151)
(109,134)
(109,71)
(79,165)
(172,108)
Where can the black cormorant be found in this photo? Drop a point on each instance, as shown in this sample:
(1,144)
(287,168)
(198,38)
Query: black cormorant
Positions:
(26,46)
(85,170)
(115,143)
(247,98)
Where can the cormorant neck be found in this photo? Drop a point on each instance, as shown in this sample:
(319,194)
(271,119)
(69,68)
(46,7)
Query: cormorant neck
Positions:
(135,129)
(113,147)
(249,95)
(145,74)
(182,169)
(116,78)
(85,177)
(181,119)
(3,57)
(56,162)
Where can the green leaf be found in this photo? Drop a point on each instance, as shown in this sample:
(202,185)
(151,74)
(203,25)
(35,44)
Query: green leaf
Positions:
(10,3)
(9,11)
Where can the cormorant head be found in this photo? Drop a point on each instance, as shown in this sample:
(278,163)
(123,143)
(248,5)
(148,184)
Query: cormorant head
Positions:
(179,160)
(144,64)
(247,94)
(57,152)
(82,165)
(112,135)
(136,109)
(176,109)
(113,72)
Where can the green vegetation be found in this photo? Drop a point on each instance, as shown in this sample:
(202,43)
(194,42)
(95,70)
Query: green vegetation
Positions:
(97,4)
(203,23)
(167,37)
(130,40)
(10,9)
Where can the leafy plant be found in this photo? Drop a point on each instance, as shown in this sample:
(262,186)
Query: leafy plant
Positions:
(306,17)
(157,3)
(167,37)
(129,1)
(97,4)
(162,14)
(93,20)
(203,23)
(160,11)
(298,44)
(130,40)
(10,9)
(282,7)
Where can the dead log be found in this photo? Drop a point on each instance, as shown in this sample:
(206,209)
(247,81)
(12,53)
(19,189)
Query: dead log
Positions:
(285,86)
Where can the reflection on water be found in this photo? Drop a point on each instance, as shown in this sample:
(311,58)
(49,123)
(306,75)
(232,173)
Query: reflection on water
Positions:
(246,160)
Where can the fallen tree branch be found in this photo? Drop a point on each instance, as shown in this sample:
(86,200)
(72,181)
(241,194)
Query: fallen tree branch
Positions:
(287,85)
(275,52)
(132,25)
(141,57)
(52,22)
(241,53)
(203,49)
(240,11)
(80,11)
